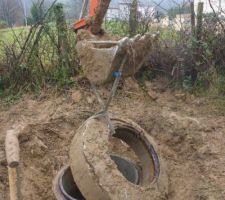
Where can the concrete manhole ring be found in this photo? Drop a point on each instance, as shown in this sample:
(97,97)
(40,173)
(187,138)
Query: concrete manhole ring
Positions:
(97,175)
(64,187)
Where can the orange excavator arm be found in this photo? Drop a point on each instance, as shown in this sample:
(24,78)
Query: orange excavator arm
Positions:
(92,15)
(89,8)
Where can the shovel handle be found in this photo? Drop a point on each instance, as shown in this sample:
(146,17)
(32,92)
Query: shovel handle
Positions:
(13,183)
(12,148)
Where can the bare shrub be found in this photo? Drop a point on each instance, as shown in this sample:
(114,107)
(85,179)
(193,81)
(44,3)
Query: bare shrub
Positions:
(36,57)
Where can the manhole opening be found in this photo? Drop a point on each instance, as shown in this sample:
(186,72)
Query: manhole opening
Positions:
(68,187)
(149,167)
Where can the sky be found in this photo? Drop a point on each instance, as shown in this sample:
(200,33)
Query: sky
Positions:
(164,4)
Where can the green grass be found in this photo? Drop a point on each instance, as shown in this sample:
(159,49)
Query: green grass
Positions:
(8,34)
(118,28)
(40,64)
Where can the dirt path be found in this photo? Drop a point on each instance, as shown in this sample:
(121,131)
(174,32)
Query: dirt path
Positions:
(190,135)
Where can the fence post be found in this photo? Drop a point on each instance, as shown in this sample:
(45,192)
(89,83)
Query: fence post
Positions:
(133,18)
(199,21)
(63,44)
(192,19)
(198,36)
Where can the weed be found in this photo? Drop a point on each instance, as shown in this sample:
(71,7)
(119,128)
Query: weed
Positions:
(119,28)
(9,97)
(39,55)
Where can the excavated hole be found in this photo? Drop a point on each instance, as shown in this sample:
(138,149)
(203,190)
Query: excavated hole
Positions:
(68,186)
(148,168)
(64,186)
(68,190)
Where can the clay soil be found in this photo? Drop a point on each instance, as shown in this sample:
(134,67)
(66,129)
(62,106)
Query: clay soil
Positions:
(187,129)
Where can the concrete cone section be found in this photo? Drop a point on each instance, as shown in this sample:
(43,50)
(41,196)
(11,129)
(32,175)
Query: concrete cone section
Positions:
(100,56)
(97,175)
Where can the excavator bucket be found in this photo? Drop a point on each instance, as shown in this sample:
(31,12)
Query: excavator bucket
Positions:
(99,55)
(100,58)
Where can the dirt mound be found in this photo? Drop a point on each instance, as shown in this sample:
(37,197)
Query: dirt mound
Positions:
(190,137)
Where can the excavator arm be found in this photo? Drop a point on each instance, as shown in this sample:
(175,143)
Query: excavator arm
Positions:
(92,15)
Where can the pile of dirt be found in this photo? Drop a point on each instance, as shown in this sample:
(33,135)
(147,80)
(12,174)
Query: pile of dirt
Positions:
(190,137)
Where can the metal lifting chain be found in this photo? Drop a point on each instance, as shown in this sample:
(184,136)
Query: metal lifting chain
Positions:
(104,106)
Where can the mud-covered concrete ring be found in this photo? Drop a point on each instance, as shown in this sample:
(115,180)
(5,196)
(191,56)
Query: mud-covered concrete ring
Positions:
(143,148)
(64,187)
(97,175)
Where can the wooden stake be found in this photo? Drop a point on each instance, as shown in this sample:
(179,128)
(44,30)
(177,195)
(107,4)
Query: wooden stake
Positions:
(13,183)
